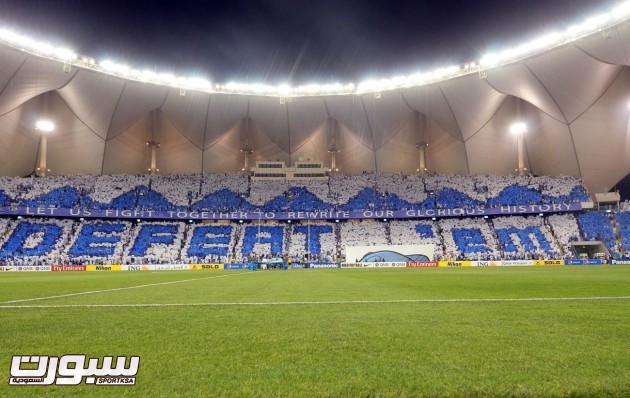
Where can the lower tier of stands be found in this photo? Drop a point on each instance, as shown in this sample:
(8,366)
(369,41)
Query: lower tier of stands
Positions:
(63,241)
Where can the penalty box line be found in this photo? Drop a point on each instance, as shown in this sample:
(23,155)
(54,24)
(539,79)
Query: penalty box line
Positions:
(117,289)
(296,303)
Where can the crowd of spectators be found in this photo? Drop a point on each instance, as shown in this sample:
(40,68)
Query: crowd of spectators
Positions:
(468,238)
(78,241)
(525,238)
(565,229)
(597,226)
(314,241)
(233,192)
(73,241)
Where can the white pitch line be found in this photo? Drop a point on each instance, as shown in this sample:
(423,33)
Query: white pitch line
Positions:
(119,288)
(274,303)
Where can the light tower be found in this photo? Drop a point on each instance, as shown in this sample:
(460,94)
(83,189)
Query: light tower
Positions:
(332,130)
(422,157)
(333,150)
(519,129)
(247,152)
(44,127)
(154,145)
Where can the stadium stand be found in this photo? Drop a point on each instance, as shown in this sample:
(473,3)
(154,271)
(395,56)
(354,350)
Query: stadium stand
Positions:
(468,238)
(525,238)
(565,229)
(597,226)
(92,241)
(623,225)
(35,241)
(233,192)
(313,241)
(209,243)
(413,232)
(156,242)
(98,242)
(259,242)
(362,233)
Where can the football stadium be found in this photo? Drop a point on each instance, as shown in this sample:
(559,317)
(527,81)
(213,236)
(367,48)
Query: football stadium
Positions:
(458,232)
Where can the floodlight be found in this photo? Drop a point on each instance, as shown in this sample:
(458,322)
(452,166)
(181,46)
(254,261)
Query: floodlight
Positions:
(622,10)
(491,59)
(65,54)
(518,128)
(45,126)
(44,48)
(107,64)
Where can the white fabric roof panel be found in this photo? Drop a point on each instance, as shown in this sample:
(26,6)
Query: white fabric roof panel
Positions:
(224,113)
(493,149)
(127,153)
(305,115)
(472,101)
(602,137)
(517,80)
(574,99)
(430,101)
(315,148)
(179,155)
(18,145)
(135,101)
(188,114)
(350,112)
(386,115)
(399,153)
(33,77)
(10,62)
(93,97)
(73,148)
(549,144)
(574,79)
(353,156)
(224,156)
(614,50)
(271,117)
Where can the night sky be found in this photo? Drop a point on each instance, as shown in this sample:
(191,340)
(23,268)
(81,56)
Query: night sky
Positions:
(291,41)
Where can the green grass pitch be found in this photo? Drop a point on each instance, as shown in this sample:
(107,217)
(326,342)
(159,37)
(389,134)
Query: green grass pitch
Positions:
(458,332)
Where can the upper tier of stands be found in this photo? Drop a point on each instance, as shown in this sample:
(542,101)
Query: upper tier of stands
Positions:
(232,192)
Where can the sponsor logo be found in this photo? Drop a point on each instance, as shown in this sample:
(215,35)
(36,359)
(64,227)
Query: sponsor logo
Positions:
(134,268)
(323,265)
(351,265)
(548,262)
(454,264)
(389,264)
(7,268)
(590,261)
(205,266)
(32,268)
(516,263)
(236,266)
(57,268)
(485,263)
(103,268)
(71,370)
(414,264)
(169,267)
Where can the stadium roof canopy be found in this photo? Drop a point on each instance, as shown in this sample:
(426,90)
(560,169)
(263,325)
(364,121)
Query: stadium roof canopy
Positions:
(574,96)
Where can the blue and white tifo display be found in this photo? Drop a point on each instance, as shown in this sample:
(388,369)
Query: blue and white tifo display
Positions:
(41,241)
(196,219)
